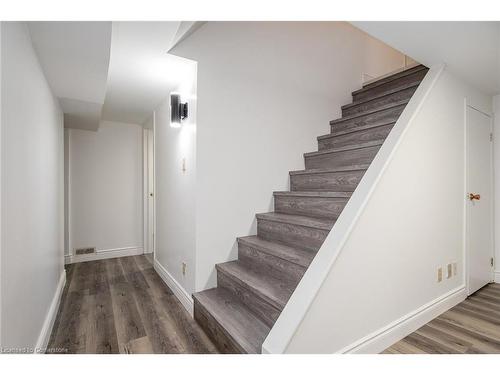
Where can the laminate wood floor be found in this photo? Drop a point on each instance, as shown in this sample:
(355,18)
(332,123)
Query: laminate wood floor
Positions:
(473,326)
(122,306)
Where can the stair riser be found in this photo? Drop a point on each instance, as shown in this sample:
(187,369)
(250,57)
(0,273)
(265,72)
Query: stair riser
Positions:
(270,264)
(217,334)
(329,208)
(263,309)
(411,78)
(341,159)
(384,100)
(378,133)
(327,181)
(374,119)
(290,234)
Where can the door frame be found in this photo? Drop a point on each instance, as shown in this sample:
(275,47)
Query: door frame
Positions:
(149,165)
(467,207)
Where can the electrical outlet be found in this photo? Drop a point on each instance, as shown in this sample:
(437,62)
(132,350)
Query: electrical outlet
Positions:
(455,269)
(183,269)
(449,273)
(440,274)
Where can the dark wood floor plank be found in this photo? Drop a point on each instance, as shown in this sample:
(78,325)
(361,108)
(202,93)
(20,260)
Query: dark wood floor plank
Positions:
(480,306)
(471,327)
(445,339)
(144,262)
(473,324)
(156,328)
(127,319)
(478,314)
(482,300)
(479,341)
(139,346)
(407,348)
(68,336)
(104,326)
(192,338)
(428,345)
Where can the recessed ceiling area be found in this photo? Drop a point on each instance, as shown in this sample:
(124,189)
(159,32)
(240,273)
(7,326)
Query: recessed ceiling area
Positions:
(471,50)
(141,72)
(115,71)
(75,59)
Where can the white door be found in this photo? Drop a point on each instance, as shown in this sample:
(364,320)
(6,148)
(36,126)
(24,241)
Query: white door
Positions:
(479,232)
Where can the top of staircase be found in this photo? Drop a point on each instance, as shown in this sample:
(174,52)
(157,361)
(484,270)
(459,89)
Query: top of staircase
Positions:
(390,78)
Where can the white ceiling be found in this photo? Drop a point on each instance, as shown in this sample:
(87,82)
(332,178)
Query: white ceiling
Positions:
(471,50)
(141,73)
(75,59)
(116,71)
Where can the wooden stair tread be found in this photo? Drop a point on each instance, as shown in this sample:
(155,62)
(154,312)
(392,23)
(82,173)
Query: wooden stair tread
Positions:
(246,329)
(274,291)
(288,253)
(305,221)
(354,130)
(371,111)
(346,148)
(315,194)
(360,167)
(390,78)
(381,95)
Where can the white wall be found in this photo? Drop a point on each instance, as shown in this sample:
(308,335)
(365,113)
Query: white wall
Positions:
(380,281)
(105,187)
(496,165)
(32,191)
(175,190)
(266,90)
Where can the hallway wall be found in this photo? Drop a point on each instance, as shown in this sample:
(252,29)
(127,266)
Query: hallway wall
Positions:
(105,188)
(31,193)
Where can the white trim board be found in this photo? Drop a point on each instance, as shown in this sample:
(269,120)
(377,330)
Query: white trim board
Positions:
(104,254)
(48,324)
(177,289)
(380,340)
(496,277)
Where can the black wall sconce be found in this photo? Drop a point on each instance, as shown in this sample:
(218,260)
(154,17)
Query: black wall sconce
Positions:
(178,110)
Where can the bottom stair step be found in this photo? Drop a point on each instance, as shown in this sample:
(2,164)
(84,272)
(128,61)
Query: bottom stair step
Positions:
(234,328)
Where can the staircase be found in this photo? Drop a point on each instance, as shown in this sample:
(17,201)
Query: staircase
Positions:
(252,291)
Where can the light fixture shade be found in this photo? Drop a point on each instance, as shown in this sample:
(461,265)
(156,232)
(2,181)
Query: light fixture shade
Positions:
(178,110)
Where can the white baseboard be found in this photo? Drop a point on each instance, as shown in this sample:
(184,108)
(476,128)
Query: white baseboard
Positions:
(48,324)
(497,277)
(104,254)
(380,340)
(183,296)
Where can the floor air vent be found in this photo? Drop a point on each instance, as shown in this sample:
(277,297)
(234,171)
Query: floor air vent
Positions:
(85,250)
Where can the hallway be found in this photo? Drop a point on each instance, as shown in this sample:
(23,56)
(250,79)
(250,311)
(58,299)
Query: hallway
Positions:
(122,306)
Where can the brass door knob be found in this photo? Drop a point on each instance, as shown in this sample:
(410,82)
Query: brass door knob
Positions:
(474,196)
